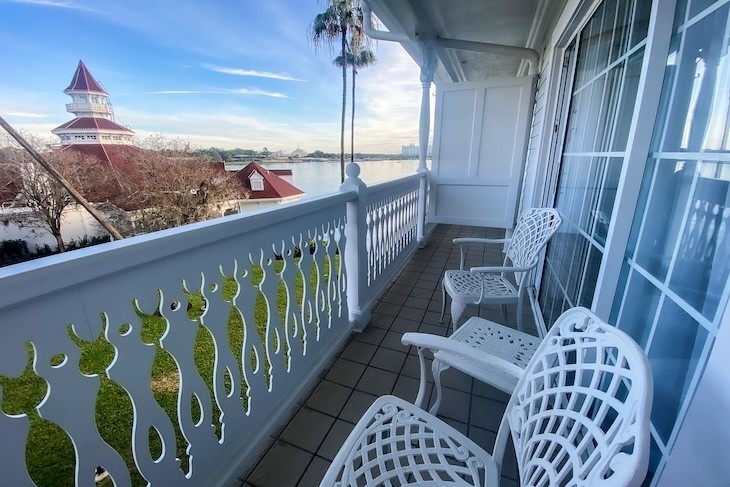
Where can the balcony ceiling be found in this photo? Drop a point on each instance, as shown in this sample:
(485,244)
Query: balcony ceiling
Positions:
(518,23)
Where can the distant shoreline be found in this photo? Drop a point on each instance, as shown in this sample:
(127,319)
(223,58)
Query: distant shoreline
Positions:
(294,160)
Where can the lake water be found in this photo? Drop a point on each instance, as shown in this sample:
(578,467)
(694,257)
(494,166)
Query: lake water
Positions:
(318,178)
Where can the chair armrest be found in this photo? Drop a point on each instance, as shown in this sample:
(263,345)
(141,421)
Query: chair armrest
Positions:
(465,240)
(495,269)
(438,343)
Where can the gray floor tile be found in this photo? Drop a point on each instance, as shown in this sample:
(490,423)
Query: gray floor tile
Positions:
(307,429)
(486,413)
(380,320)
(329,397)
(282,466)
(412,368)
(422,293)
(392,340)
(455,379)
(455,405)
(376,381)
(415,314)
(345,372)
(391,360)
(335,438)
(403,325)
(389,309)
(359,352)
(315,472)
(418,303)
(358,403)
(372,335)
(407,388)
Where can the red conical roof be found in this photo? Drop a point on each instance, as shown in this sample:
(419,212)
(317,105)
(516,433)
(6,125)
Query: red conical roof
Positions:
(83,81)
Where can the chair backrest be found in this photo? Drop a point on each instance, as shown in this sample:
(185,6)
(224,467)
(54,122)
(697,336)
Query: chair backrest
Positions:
(531,234)
(580,413)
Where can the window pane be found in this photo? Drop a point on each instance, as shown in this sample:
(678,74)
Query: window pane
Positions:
(588,50)
(591,189)
(640,307)
(593,265)
(604,35)
(702,264)
(628,100)
(621,34)
(609,188)
(576,123)
(641,22)
(580,247)
(698,114)
(674,354)
(665,210)
(606,123)
(592,113)
(698,6)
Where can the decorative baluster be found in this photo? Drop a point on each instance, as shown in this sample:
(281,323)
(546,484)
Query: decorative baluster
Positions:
(355,251)
(132,369)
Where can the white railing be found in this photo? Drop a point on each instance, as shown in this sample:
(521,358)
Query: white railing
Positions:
(232,319)
(103,108)
(386,236)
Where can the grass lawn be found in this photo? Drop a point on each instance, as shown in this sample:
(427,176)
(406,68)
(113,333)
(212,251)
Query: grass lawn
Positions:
(49,452)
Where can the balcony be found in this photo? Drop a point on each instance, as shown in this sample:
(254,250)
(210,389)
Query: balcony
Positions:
(375,362)
(271,299)
(86,109)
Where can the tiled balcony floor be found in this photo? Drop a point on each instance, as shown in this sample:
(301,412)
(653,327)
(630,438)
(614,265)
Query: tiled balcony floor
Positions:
(375,362)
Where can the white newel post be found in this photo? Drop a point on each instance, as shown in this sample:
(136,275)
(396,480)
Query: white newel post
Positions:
(356,250)
(428,66)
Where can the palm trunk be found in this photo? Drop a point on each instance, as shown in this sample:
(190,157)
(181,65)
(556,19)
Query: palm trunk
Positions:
(352,129)
(344,107)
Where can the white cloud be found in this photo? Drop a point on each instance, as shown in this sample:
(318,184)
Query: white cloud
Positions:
(26,115)
(54,4)
(235,91)
(251,73)
(250,91)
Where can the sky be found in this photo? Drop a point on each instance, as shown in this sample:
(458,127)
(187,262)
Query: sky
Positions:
(216,73)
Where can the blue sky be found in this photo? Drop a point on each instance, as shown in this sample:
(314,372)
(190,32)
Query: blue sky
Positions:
(217,73)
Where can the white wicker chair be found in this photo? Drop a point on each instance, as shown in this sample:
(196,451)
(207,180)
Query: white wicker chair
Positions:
(492,285)
(579,416)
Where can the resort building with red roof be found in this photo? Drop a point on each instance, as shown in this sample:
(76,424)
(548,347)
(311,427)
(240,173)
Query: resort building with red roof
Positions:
(94,122)
(266,187)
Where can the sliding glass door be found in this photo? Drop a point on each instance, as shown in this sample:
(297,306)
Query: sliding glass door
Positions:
(607,56)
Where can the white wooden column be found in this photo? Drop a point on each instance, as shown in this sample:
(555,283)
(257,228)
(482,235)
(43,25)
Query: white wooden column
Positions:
(428,67)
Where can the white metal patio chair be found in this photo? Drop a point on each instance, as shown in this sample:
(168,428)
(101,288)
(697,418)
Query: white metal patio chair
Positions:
(492,285)
(578,416)
(483,340)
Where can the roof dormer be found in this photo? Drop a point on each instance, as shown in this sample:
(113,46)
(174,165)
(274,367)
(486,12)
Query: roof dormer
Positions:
(257,181)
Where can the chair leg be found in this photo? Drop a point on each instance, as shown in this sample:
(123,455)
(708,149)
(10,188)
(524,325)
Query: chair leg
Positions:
(443,301)
(436,368)
(504,313)
(457,309)
(519,315)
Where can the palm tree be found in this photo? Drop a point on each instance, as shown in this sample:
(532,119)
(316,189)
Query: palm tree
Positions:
(335,23)
(363,58)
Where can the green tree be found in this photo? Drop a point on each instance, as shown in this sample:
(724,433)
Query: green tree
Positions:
(340,20)
(359,56)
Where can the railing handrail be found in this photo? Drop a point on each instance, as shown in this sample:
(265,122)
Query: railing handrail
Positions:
(29,280)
